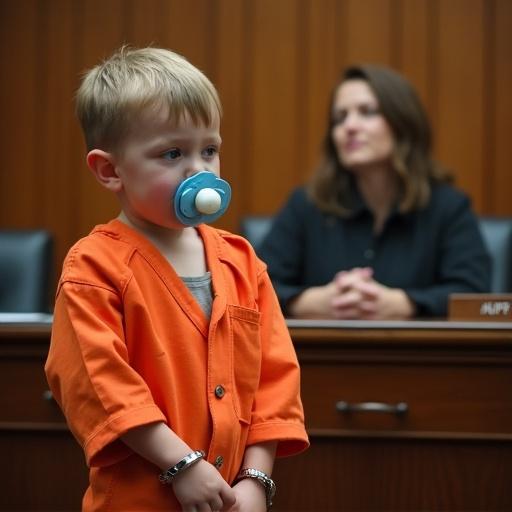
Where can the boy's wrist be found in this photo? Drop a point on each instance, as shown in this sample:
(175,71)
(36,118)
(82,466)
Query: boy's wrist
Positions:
(166,477)
(263,479)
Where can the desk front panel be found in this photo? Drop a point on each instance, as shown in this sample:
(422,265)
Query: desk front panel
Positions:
(29,399)
(43,467)
(450,451)
(441,395)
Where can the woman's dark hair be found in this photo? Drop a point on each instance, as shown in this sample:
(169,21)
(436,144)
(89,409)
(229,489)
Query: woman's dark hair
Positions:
(330,187)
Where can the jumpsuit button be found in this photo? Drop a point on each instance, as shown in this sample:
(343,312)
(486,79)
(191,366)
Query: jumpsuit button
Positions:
(219,460)
(219,391)
(369,254)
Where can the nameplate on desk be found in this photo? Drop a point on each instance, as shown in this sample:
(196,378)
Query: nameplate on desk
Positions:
(486,307)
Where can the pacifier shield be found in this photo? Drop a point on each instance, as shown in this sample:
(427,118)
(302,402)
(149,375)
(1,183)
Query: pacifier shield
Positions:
(202,198)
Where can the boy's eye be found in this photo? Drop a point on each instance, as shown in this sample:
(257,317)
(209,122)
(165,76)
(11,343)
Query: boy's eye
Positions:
(210,151)
(172,154)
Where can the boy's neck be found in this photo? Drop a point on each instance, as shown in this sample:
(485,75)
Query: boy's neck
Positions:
(182,248)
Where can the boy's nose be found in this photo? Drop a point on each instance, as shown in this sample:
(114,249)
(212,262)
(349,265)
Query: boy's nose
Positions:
(194,167)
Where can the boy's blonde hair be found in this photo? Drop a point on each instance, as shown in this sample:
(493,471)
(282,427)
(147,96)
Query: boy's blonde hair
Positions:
(134,79)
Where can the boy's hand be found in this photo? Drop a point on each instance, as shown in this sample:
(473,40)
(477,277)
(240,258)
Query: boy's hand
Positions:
(201,489)
(250,496)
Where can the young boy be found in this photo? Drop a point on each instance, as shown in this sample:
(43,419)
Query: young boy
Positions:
(169,354)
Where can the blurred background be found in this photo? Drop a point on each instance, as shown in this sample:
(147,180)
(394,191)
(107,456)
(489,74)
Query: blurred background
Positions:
(274,63)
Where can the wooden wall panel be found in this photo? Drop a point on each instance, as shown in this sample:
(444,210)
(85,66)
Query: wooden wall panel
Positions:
(459,124)
(368,31)
(102,28)
(414,47)
(274,64)
(19,185)
(186,27)
(230,78)
(151,25)
(497,165)
(322,54)
(272,115)
(58,140)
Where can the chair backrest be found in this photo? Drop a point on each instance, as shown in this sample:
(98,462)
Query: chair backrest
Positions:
(26,260)
(497,235)
(255,227)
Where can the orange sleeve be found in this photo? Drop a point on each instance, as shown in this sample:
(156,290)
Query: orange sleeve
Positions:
(89,373)
(277,413)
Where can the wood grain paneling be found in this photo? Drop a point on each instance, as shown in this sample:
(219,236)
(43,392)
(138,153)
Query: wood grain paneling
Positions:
(274,64)
(498,171)
(19,200)
(368,27)
(451,450)
(273,119)
(414,48)
(320,35)
(102,29)
(361,475)
(58,139)
(230,78)
(459,125)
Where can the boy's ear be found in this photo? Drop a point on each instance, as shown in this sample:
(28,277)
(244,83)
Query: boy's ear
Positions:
(102,165)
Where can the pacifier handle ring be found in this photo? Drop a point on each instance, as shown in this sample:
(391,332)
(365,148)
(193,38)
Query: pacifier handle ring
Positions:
(208,201)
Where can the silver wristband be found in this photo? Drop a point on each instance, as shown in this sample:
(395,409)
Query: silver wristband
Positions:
(267,482)
(167,476)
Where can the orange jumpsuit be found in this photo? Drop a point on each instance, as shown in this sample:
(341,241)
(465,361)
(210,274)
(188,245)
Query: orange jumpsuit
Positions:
(131,346)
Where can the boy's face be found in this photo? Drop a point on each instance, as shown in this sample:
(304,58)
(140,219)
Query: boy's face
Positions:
(156,157)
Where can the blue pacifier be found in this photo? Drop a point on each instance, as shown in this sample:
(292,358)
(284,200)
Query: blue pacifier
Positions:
(202,198)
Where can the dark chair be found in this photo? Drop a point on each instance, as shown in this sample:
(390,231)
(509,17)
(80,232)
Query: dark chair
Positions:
(496,232)
(497,235)
(26,261)
(255,228)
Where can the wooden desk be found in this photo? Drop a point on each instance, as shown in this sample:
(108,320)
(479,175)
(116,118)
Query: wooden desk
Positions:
(42,465)
(451,450)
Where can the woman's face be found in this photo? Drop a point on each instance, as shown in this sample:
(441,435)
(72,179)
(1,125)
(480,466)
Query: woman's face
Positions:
(361,134)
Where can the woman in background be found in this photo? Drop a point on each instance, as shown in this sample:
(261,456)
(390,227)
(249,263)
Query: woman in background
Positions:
(378,233)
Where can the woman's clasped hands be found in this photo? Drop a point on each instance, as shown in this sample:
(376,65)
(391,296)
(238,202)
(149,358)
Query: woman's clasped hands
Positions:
(351,295)
(359,296)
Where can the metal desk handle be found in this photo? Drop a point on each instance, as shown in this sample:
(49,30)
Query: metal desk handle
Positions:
(399,408)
